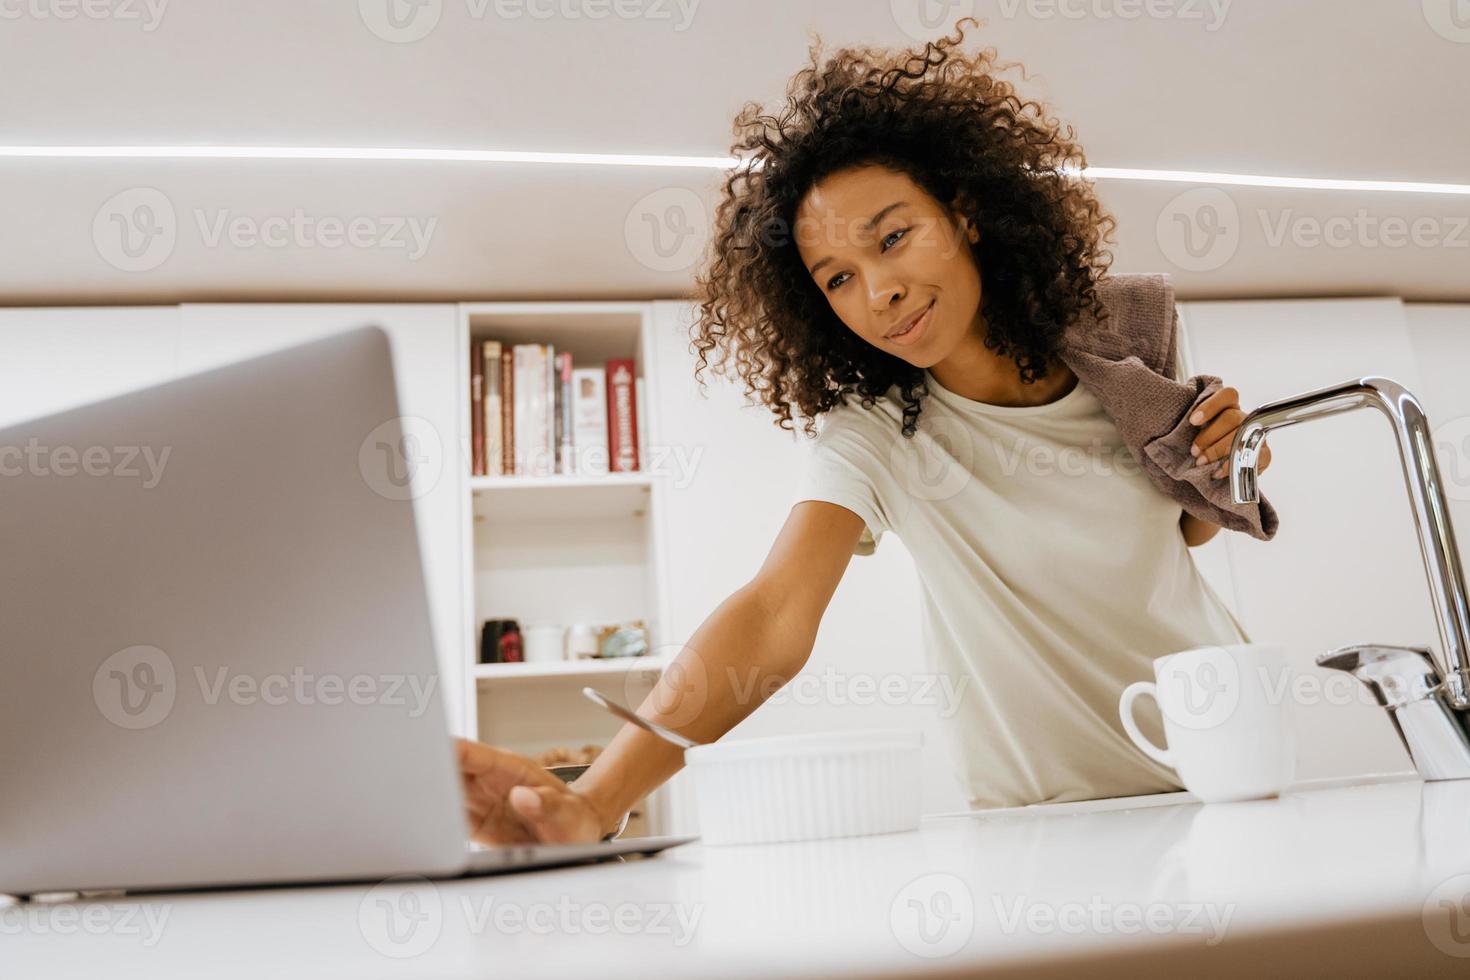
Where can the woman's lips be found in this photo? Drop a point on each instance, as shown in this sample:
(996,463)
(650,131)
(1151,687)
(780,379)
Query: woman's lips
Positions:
(917,330)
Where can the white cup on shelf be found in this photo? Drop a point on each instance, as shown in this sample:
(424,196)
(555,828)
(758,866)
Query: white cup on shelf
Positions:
(541,643)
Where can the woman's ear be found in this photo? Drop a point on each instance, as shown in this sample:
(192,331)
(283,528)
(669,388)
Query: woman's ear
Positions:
(963,209)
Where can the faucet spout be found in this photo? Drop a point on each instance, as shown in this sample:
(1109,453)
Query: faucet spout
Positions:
(1421,478)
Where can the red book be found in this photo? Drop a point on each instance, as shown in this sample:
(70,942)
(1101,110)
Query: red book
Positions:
(622,417)
(477,412)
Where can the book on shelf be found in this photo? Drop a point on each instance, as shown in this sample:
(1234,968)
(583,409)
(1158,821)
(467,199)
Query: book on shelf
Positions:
(477,416)
(534,412)
(490,429)
(622,417)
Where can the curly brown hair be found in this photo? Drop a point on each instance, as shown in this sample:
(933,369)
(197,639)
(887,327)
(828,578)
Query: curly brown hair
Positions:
(943,118)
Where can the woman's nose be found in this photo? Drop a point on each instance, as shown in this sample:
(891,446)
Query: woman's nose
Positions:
(883,294)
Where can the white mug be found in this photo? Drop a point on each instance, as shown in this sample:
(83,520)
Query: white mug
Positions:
(1229,737)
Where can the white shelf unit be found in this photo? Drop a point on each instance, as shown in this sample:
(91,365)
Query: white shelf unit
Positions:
(563,549)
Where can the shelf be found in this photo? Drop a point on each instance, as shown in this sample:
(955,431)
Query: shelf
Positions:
(531,498)
(490,483)
(566,668)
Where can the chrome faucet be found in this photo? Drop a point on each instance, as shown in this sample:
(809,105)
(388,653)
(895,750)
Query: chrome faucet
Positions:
(1397,675)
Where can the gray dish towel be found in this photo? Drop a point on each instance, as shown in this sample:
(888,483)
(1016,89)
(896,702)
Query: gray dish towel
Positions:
(1127,360)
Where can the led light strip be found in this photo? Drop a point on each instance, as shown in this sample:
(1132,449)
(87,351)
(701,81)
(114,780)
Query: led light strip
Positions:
(427,154)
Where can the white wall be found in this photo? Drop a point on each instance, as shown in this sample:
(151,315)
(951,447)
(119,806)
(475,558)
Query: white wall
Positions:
(1440,334)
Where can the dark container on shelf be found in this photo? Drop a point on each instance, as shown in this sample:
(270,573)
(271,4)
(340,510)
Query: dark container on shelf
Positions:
(500,642)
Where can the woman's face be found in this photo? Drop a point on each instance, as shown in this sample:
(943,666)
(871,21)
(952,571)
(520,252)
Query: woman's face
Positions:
(883,252)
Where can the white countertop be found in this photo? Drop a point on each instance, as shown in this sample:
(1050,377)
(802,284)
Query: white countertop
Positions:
(1352,875)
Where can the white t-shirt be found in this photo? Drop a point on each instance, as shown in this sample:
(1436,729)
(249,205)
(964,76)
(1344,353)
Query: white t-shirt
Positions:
(1052,574)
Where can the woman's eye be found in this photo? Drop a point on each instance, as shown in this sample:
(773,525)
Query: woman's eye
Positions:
(837,280)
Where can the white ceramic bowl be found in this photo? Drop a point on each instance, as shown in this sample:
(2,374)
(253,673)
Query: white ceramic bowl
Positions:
(805,787)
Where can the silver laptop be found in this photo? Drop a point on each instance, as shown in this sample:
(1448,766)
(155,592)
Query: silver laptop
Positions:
(219,668)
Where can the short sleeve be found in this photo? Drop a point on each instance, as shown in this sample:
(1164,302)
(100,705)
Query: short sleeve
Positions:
(836,471)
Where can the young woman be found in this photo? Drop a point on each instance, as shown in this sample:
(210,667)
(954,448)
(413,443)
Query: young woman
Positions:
(902,264)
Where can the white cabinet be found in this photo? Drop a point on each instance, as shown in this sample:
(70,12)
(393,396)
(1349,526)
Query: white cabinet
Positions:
(1344,566)
(61,357)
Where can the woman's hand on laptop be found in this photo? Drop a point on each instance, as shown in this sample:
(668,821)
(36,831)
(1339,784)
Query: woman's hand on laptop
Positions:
(509,799)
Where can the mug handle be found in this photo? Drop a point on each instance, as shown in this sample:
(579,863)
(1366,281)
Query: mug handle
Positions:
(1125,711)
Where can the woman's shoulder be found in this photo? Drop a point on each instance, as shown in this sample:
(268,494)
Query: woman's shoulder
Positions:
(853,415)
(1140,320)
